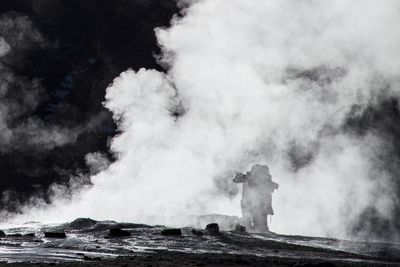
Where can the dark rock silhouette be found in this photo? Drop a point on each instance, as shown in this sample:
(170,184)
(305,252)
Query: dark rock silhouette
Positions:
(30,235)
(2,234)
(225,223)
(55,235)
(118,232)
(212,228)
(172,231)
(197,232)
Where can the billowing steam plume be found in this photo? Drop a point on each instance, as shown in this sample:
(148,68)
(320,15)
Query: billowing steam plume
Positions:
(247,82)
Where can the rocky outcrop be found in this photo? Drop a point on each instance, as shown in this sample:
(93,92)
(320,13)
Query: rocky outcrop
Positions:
(212,228)
(30,235)
(55,235)
(197,232)
(172,232)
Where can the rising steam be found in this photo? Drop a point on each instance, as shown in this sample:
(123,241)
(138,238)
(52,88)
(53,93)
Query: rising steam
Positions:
(253,82)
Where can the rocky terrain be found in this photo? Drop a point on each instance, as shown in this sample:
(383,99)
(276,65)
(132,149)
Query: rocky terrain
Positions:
(86,242)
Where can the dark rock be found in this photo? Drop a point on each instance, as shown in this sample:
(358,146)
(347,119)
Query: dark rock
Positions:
(118,232)
(224,222)
(30,235)
(55,235)
(197,232)
(172,231)
(2,234)
(82,223)
(212,228)
(240,229)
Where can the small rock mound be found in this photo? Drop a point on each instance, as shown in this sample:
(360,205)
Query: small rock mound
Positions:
(118,232)
(172,231)
(82,223)
(212,228)
(197,232)
(225,223)
(55,235)
(30,235)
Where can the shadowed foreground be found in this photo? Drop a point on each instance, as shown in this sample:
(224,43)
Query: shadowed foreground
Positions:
(89,243)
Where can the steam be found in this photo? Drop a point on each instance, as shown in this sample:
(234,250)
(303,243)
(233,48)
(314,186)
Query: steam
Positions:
(19,95)
(253,82)
(20,129)
(26,138)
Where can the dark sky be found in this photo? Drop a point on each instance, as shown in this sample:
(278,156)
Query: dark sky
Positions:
(63,56)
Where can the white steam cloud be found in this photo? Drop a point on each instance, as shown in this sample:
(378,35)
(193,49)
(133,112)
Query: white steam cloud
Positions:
(249,82)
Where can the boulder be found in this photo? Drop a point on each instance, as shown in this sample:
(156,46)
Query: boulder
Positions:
(212,228)
(172,231)
(225,223)
(2,234)
(118,232)
(197,232)
(30,235)
(55,235)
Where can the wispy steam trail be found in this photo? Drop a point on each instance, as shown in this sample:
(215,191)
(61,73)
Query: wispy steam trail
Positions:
(254,81)
(19,95)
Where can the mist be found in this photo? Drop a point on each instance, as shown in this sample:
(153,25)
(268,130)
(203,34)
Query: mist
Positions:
(20,96)
(271,82)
